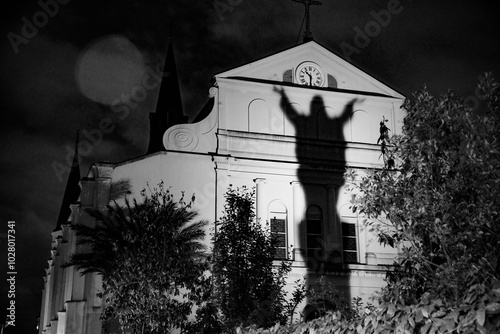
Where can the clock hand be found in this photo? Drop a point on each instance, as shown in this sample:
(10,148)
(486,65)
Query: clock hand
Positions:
(310,78)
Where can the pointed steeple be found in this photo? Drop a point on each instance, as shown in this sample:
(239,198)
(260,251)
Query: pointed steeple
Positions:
(169,106)
(72,191)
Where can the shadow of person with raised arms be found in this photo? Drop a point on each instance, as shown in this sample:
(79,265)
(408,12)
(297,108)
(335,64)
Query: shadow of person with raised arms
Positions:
(320,151)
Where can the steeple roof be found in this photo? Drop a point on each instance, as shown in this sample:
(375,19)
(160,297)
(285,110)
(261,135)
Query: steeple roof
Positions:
(72,192)
(169,110)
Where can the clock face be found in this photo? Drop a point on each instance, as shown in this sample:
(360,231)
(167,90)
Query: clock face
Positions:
(309,74)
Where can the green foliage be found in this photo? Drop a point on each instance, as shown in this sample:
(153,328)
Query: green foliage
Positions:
(478,311)
(151,257)
(207,314)
(326,298)
(298,295)
(119,189)
(248,289)
(439,201)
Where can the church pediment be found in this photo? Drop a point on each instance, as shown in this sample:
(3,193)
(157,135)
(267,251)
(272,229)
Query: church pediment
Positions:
(311,64)
(304,92)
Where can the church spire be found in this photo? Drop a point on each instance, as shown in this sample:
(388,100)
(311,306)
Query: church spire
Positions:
(307,3)
(169,106)
(72,191)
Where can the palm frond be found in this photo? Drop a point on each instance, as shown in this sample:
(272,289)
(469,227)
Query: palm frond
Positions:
(119,189)
(140,246)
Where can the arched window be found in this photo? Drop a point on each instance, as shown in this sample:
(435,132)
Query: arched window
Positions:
(361,127)
(263,119)
(278,218)
(314,233)
(258,116)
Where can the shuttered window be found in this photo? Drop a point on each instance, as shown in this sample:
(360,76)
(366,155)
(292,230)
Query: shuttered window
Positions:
(314,233)
(349,243)
(278,219)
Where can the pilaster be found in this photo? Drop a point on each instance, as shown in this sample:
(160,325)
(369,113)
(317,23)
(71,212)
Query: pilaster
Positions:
(260,195)
(298,216)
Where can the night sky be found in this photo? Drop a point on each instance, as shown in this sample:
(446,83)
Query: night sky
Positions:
(83,56)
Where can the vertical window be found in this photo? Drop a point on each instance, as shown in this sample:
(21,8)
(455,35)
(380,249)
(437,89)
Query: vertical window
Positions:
(314,233)
(349,242)
(278,221)
(278,230)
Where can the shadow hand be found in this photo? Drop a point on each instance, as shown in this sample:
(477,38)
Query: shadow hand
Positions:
(279,90)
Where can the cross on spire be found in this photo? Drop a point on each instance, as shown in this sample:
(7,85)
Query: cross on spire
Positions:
(307,3)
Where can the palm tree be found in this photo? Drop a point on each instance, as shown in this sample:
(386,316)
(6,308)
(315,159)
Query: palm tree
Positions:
(150,255)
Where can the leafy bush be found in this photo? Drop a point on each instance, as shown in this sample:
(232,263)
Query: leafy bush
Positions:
(326,298)
(437,199)
(248,288)
(150,255)
(477,312)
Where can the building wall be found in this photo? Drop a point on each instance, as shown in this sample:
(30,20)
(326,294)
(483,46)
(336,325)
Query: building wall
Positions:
(291,143)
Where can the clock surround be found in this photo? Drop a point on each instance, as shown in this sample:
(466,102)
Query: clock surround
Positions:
(309,73)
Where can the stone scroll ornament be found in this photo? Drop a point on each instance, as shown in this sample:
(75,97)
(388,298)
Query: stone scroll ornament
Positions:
(183,138)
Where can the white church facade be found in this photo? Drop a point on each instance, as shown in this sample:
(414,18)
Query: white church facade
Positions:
(289,125)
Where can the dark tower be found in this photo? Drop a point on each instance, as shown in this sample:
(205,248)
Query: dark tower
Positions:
(72,191)
(169,106)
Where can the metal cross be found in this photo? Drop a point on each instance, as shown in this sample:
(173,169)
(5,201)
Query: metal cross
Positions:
(307,3)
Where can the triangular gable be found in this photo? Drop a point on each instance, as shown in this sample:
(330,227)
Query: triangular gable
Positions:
(282,67)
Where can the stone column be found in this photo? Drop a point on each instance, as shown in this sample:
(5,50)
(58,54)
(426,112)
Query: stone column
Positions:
(48,295)
(260,203)
(75,317)
(41,321)
(61,323)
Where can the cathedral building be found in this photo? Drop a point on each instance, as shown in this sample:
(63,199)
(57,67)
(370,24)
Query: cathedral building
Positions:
(288,124)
